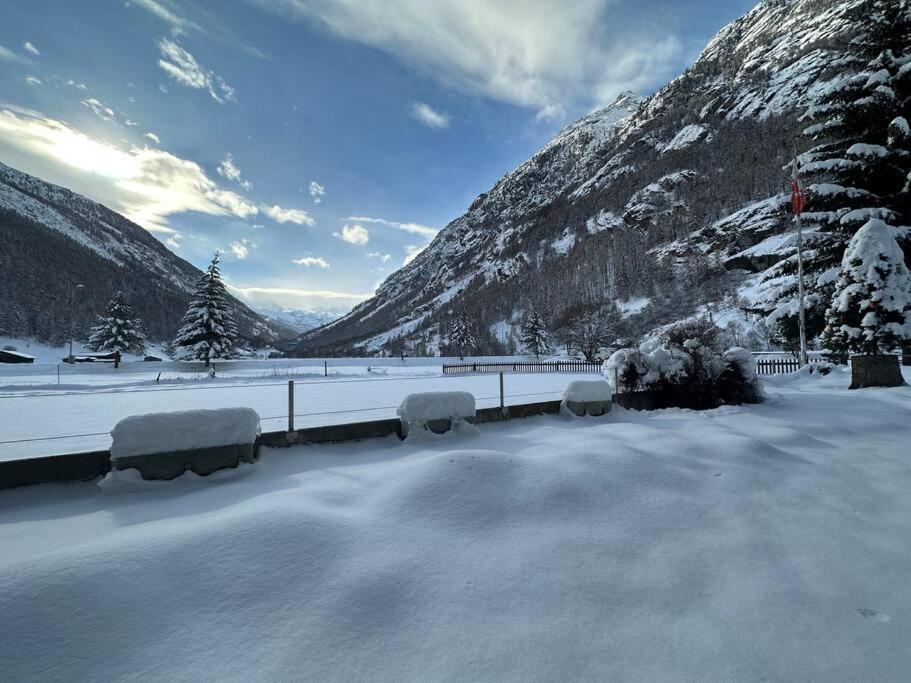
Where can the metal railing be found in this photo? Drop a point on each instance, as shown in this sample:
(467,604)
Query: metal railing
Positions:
(528,366)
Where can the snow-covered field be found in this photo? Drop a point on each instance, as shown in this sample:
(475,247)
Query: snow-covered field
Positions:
(766,542)
(42,417)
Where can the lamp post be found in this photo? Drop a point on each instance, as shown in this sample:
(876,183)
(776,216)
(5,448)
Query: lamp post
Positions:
(72,325)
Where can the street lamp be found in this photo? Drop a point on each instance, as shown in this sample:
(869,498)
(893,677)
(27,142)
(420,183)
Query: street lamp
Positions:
(72,325)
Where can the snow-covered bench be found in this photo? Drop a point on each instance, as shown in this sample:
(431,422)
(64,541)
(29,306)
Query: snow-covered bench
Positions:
(435,411)
(165,445)
(583,397)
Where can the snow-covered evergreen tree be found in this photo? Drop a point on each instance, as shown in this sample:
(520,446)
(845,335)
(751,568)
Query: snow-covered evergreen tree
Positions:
(871,311)
(859,165)
(207,329)
(461,335)
(534,333)
(118,329)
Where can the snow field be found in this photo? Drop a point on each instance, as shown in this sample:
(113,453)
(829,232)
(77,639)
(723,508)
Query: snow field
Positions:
(743,543)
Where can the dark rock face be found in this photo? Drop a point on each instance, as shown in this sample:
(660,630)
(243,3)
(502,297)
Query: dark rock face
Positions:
(875,371)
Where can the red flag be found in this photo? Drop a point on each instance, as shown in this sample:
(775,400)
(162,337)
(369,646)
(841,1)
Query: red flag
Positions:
(798,198)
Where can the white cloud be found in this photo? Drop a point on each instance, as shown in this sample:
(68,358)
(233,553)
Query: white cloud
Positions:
(281,215)
(317,191)
(168,15)
(8,55)
(353,234)
(31,48)
(241,248)
(151,136)
(174,240)
(228,169)
(411,253)
(382,257)
(74,84)
(100,109)
(529,52)
(296,298)
(429,116)
(31,80)
(181,66)
(413,228)
(146,185)
(551,113)
(308,261)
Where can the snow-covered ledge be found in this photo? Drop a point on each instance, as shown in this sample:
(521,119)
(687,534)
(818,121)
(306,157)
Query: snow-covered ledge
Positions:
(165,445)
(436,411)
(587,397)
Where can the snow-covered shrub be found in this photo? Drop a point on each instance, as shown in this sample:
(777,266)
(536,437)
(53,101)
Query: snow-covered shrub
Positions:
(684,362)
(431,411)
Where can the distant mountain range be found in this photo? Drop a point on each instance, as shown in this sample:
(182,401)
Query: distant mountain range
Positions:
(53,239)
(300,320)
(674,202)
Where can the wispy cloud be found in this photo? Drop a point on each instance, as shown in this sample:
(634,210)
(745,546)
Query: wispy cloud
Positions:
(308,261)
(31,49)
(353,234)
(551,113)
(296,298)
(411,253)
(100,109)
(317,191)
(8,55)
(533,53)
(168,15)
(146,185)
(240,249)
(414,228)
(151,136)
(181,66)
(427,115)
(31,80)
(282,215)
(230,170)
(382,257)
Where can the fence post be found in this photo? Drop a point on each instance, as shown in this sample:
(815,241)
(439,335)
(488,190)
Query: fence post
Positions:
(325,368)
(616,380)
(290,405)
(58,373)
(502,401)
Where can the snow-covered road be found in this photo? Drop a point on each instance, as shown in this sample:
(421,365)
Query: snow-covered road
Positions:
(40,412)
(750,543)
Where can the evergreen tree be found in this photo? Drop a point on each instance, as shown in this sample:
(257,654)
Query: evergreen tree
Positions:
(859,164)
(118,330)
(461,335)
(207,329)
(534,333)
(870,313)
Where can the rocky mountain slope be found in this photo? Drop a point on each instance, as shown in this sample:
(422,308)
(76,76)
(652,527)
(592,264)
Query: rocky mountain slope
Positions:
(54,239)
(659,207)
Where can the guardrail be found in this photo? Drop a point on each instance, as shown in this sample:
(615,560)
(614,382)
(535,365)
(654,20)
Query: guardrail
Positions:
(533,366)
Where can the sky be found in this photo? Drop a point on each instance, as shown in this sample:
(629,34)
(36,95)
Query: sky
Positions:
(317,144)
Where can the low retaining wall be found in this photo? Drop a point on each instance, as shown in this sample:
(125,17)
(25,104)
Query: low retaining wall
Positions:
(86,466)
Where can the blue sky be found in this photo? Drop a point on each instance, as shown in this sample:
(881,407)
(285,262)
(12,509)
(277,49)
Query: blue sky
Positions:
(317,143)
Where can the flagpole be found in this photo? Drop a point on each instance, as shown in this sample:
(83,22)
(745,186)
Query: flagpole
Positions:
(801,308)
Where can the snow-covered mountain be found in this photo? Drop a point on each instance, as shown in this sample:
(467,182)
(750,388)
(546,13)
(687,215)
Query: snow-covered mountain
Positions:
(656,199)
(298,319)
(54,239)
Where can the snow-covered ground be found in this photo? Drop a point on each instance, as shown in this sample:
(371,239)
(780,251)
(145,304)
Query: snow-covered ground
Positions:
(766,542)
(37,413)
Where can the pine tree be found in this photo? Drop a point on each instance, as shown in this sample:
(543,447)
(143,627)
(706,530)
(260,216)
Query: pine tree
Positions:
(870,313)
(534,333)
(118,330)
(207,329)
(859,165)
(461,336)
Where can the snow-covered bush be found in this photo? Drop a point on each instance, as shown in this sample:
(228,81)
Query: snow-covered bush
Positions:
(422,412)
(685,364)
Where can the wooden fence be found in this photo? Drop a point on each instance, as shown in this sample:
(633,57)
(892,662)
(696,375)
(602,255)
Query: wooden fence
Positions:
(776,366)
(534,366)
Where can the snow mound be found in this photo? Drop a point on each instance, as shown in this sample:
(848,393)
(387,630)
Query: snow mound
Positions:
(183,430)
(583,391)
(436,405)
